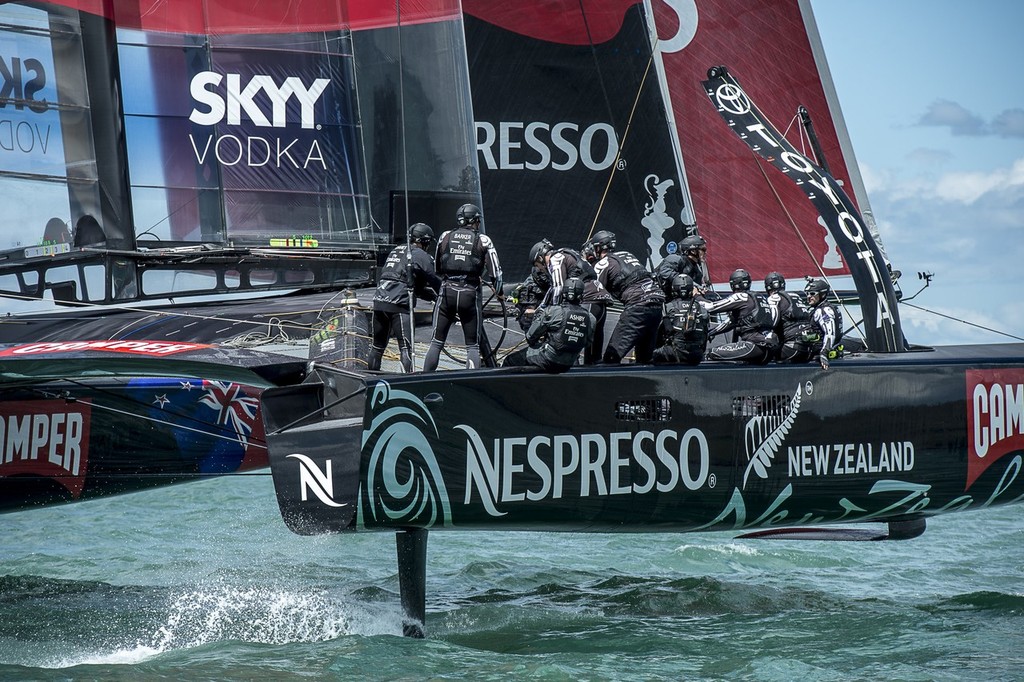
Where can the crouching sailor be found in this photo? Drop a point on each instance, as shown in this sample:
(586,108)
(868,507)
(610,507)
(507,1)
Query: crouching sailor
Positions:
(558,333)
(684,327)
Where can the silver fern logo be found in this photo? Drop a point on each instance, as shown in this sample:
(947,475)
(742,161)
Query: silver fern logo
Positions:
(403,481)
(765,432)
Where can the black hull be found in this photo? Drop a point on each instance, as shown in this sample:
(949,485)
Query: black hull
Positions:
(87,423)
(879,437)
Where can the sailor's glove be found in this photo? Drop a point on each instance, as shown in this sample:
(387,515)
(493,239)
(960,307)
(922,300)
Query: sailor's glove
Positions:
(810,337)
(823,361)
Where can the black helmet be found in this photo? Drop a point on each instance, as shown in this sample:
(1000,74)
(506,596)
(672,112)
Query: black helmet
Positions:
(603,240)
(682,286)
(421,233)
(817,287)
(739,280)
(468,214)
(540,249)
(774,282)
(693,243)
(572,290)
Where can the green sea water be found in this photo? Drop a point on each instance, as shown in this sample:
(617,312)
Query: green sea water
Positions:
(204,582)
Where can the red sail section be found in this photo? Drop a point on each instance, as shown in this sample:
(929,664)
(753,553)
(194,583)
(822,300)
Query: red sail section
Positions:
(748,216)
(246,17)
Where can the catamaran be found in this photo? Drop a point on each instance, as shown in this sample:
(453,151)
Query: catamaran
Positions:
(265,159)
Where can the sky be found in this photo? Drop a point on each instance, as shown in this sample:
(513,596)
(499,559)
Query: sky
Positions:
(932,93)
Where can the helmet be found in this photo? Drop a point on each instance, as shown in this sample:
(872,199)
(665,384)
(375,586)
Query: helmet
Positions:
(739,280)
(572,290)
(421,233)
(693,243)
(540,249)
(468,214)
(603,240)
(682,286)
(774,282)
(817,287)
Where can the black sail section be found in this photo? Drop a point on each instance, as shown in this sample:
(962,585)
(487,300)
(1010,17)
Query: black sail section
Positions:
(859,250)
(572,139)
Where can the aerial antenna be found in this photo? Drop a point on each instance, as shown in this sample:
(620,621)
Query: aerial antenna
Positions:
(805,121)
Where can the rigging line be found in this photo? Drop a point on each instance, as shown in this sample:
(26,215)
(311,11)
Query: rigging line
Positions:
(409,275)
(957,319)
(64,395)
(246,443)
(629,121)
(319,410)
(803,241)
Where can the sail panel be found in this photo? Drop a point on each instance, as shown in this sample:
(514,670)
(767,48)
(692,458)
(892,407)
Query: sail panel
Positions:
(571,138)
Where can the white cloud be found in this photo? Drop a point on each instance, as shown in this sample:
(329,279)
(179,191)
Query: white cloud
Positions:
(967,229)
(967,188)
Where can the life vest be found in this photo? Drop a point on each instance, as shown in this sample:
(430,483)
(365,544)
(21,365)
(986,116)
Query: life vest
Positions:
(572,336)
(395,266)
(461,253)
(629,272)
(577,266)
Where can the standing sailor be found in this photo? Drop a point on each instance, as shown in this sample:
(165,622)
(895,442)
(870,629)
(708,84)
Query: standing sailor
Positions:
(463,257)
(391,306)
(626,279)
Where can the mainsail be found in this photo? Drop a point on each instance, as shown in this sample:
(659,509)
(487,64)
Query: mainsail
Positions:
(549,81)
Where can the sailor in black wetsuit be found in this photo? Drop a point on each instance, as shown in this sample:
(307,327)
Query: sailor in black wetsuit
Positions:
(627,280)
(563,264)
(463,256)
(827,322)
(684,328)
(791,317)
(750,320)
(558,333)
(689,261)
(391,300)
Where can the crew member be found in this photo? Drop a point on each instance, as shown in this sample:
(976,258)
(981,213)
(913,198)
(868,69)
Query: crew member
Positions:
(403,270)
(463,257)
(791,320)
(558,333)
(684,327)
(622,275)
(563,264)
(688,260)
(750,320)
(827,323)
(528,296)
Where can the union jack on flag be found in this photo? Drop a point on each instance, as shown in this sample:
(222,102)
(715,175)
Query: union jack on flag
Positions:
(235,409)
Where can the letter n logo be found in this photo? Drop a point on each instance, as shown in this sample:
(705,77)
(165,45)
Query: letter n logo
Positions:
(320,482)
